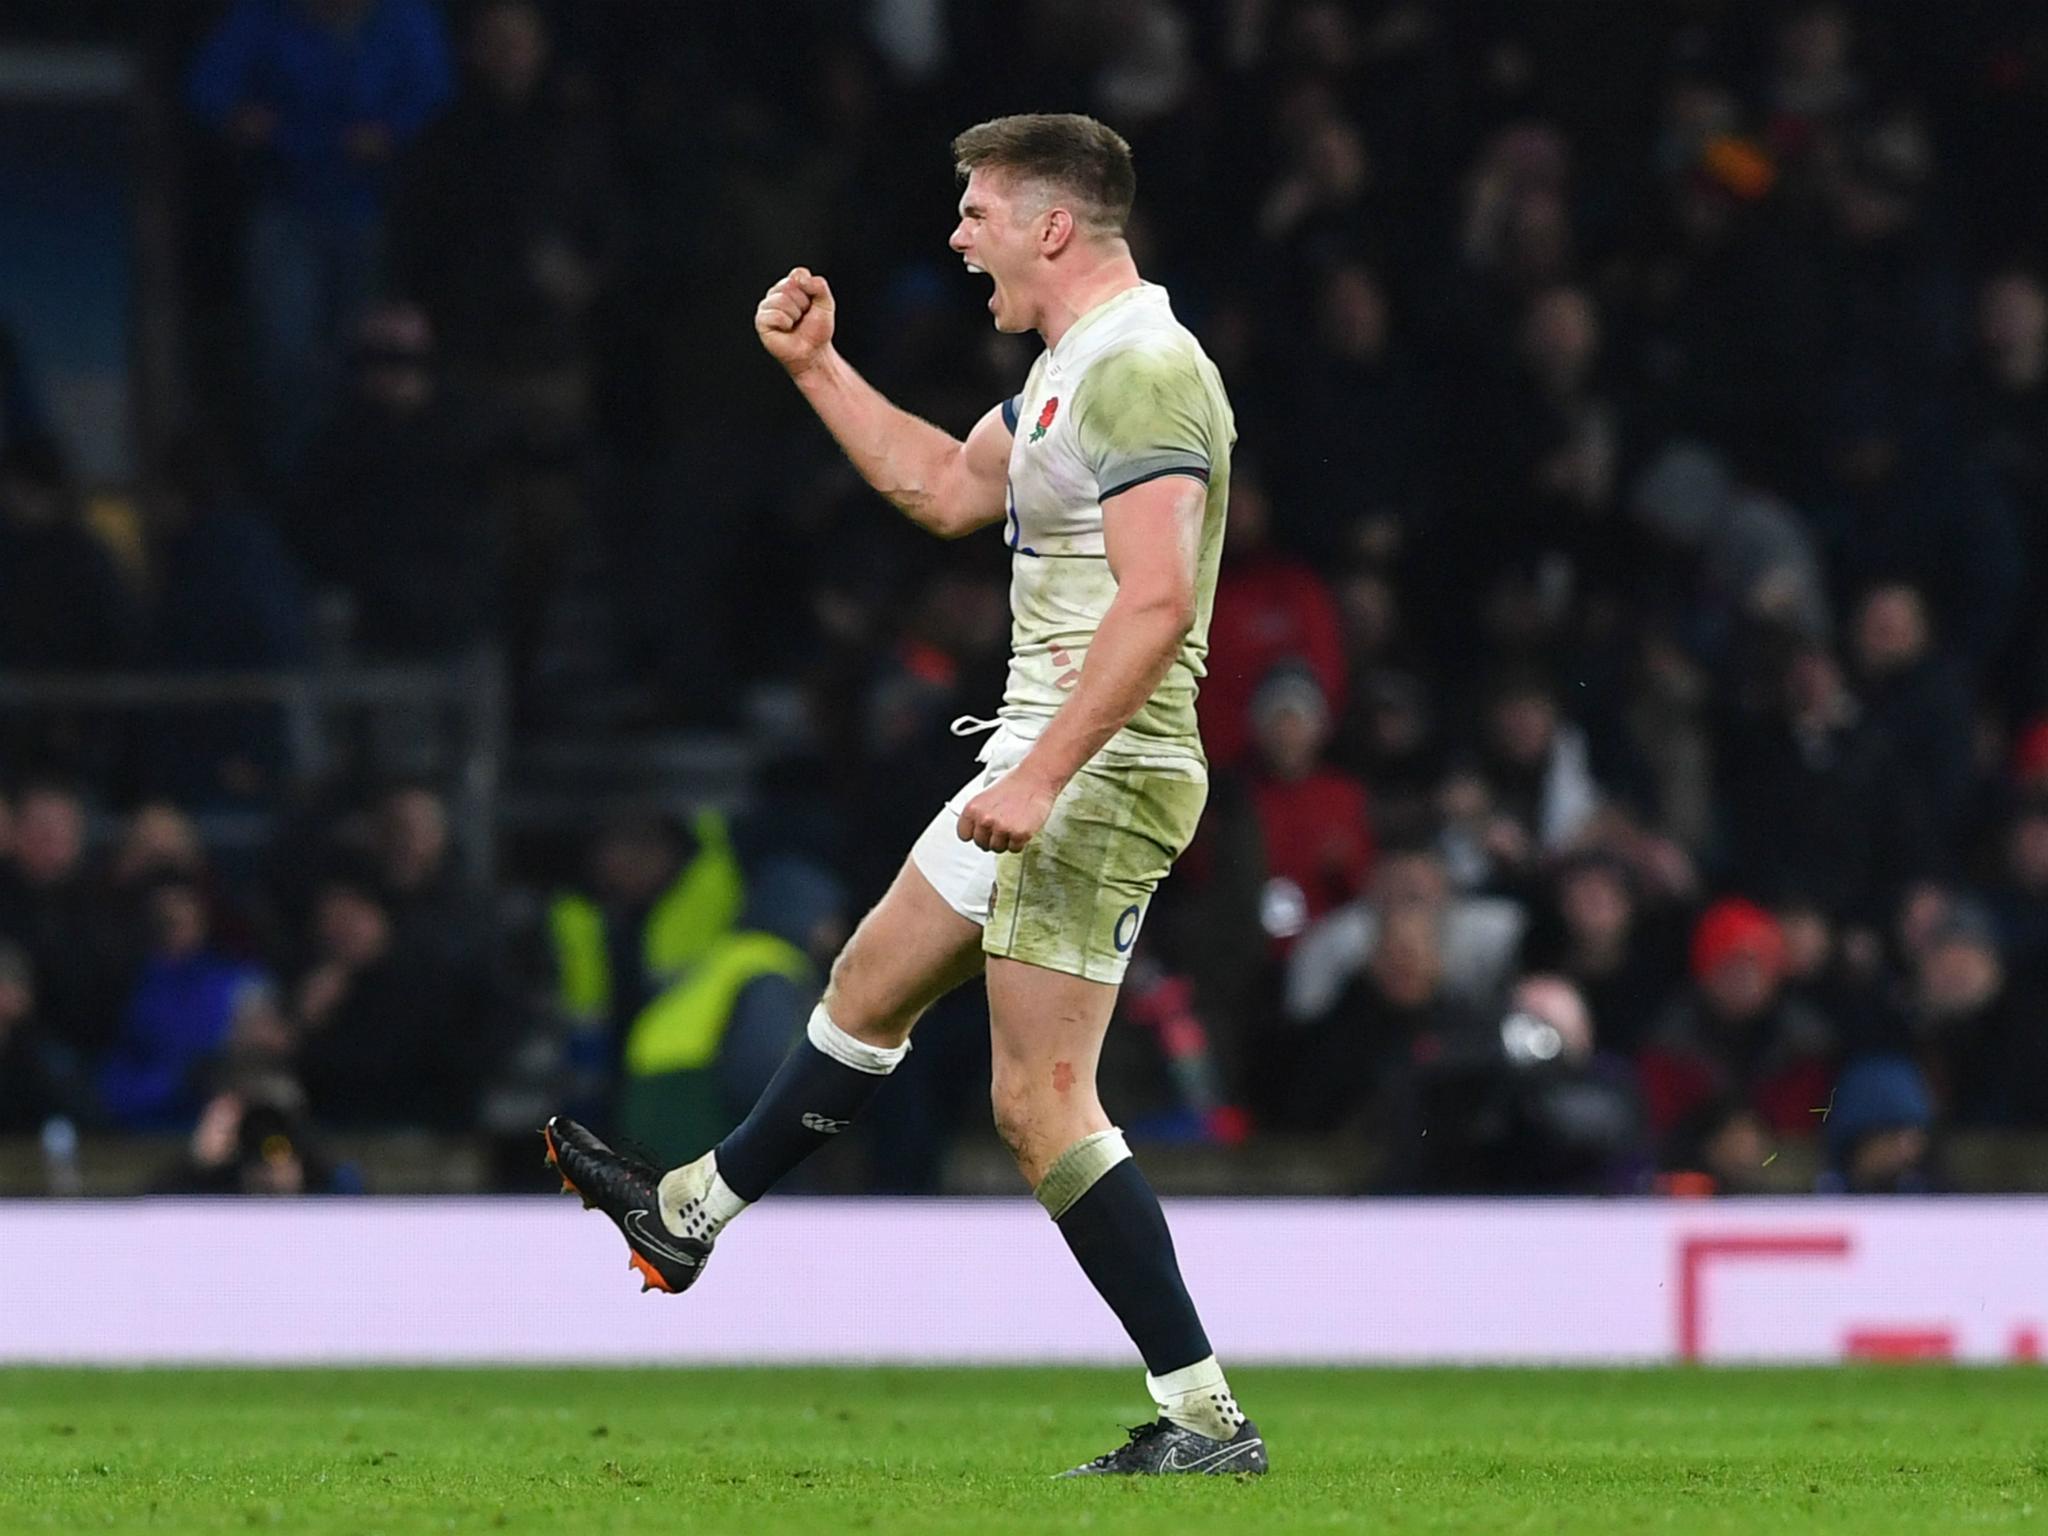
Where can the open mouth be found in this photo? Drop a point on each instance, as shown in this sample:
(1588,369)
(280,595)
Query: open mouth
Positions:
(983,272)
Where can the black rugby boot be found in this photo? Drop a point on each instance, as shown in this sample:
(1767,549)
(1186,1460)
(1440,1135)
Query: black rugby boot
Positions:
(1162,1447)
(628,1191)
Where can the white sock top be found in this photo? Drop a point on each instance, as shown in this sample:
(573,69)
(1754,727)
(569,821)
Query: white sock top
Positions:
(1197,1397)
(843,1048)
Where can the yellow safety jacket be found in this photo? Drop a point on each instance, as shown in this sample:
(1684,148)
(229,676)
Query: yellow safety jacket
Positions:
(698,908)
(670,1100)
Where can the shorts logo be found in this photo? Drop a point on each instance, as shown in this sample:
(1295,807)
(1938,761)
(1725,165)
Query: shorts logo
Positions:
(1125,939)
(824,1125)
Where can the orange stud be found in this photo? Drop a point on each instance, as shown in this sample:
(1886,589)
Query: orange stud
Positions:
(649,1275)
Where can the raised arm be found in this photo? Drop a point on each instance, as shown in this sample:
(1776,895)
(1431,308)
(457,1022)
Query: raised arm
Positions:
(940,483)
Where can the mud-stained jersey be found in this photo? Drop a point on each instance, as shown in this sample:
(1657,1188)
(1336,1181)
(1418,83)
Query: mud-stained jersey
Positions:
(1128,395)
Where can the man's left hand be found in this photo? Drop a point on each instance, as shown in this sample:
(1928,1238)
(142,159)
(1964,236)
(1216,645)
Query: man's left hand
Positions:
(1009,813)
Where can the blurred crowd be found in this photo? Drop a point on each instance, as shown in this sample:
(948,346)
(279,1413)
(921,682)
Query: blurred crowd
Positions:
(1628,688)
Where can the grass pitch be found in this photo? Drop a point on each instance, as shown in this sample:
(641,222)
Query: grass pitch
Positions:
(589,1453)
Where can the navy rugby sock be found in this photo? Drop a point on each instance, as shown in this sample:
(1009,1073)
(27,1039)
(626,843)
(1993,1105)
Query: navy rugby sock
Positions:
(1112,1222)
(825,1081)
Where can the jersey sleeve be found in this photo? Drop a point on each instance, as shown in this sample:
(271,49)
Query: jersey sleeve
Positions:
(1141,415)
(1010,413)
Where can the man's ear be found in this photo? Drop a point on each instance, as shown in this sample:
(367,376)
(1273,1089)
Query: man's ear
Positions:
(1058,232)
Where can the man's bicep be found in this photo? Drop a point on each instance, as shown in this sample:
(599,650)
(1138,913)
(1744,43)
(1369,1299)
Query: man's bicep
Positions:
(1151,533)
(983,496)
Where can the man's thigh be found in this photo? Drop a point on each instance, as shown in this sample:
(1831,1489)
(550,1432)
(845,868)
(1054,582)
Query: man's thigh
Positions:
(1074,899)
(1049,1025)
(908,952)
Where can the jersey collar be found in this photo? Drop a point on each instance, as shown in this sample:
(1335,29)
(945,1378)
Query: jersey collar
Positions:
(1144,293)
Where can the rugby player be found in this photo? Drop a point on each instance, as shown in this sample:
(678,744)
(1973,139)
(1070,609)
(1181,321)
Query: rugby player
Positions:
(1108,474)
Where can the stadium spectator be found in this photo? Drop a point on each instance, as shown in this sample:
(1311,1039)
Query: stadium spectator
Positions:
(654,904)
(1525,1104)
(1389,737)
(1720,1147)
(391,498)
(1906,493)
(701,1051)
(386,1035)
(1734,1031)
(2021,898)
(49,904)
(1321,206)
(1356,378)
(1754,556)
(30,1070)
(1812,798)
(1270,608)
(230,597)
(1315,822)
(180,1014)
(2007,405)
(317,99)
(1527,792)
(520,153)
(1364,1050)
(411,850)
(1917,700)
(1879,1130)
(254,1139)
(1984,1048)
(1618,952)
(64,606)
(1478,935)
(159,842)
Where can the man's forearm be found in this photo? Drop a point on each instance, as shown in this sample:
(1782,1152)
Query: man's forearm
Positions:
(1130,655)
(901,456)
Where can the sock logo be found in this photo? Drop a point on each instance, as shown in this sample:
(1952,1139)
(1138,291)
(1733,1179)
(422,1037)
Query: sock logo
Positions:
(824,1125)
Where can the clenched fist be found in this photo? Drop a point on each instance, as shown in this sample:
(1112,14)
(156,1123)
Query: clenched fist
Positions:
(794,320)
(1008,815)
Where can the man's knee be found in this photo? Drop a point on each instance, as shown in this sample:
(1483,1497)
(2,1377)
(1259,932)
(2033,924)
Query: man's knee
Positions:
(1040,1110)
(1015,1112)
(853,1000)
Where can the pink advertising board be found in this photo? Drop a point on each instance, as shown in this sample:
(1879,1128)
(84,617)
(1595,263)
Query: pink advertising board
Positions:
(989,1281)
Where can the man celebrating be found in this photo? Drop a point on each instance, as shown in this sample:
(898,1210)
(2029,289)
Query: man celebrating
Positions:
(1110,472)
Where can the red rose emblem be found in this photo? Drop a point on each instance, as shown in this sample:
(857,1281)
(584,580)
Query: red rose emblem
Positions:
(1052,409)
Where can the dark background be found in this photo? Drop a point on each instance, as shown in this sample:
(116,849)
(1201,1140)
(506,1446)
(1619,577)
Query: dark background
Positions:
(1626,697)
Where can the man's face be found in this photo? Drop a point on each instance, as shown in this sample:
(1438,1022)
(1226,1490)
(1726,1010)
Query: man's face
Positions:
(1407,963)
(1891,632)
(509,48)
(1524,726)
(2012,314)
(1001,224)
(177,916)
(413,836)
(1739,988)
(1596,905)
(1290,738)
(352,928)
(49,836)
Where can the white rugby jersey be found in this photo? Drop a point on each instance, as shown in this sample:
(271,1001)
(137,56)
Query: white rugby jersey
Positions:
(1128,395)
